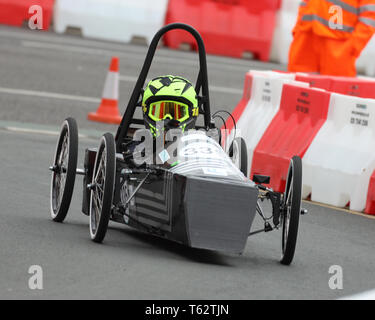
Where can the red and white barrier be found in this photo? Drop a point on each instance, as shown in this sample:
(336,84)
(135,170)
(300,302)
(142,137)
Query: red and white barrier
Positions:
(301,115)
(260,109)
(334,134)
(115,20)
(228,27)
(340,161)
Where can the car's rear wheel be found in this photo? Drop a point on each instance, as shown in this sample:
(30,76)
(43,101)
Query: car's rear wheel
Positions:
(291,210)
(238,154)
(64,170)
(102,188)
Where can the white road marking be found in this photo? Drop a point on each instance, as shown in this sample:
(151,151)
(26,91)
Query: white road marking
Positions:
(130,55)
(68,48)
(226,90)
(52,95)
(28,35)
(101,52)
(43,132)
(28,130)
(212,88)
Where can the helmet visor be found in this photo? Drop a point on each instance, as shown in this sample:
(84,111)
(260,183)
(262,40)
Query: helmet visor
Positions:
(162,110)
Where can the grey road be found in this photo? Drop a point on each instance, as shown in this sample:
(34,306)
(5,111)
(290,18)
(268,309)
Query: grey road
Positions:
(45,78)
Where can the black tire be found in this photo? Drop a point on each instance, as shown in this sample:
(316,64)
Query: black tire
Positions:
(291,210)
(64,170)
(238,154)
(103,182)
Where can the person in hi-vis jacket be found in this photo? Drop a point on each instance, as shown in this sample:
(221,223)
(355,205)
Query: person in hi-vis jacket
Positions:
(330,34)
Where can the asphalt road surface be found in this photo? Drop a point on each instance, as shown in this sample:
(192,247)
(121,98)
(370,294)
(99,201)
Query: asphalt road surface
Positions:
(43,79)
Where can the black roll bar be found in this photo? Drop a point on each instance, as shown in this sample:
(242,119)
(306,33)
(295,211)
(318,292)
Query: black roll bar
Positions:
(201,83)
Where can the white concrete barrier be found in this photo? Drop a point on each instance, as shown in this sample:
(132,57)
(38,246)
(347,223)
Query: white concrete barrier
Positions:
(260,110)
(340,161)
(117,20)
(282,38)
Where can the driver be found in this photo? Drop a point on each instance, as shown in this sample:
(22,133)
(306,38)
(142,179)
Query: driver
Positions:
(169,102)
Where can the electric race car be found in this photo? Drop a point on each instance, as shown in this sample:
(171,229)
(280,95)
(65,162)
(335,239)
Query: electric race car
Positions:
(188,188)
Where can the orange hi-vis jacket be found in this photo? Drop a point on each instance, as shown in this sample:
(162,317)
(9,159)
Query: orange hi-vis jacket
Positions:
(339,19)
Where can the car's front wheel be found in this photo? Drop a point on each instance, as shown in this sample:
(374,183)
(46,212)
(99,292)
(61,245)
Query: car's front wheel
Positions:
(291,210)
(64,170)
(102,188)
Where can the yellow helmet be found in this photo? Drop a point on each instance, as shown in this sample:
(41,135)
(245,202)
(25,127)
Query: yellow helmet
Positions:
(170,98)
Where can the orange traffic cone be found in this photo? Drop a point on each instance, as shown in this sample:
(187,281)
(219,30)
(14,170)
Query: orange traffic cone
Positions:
(108,110)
